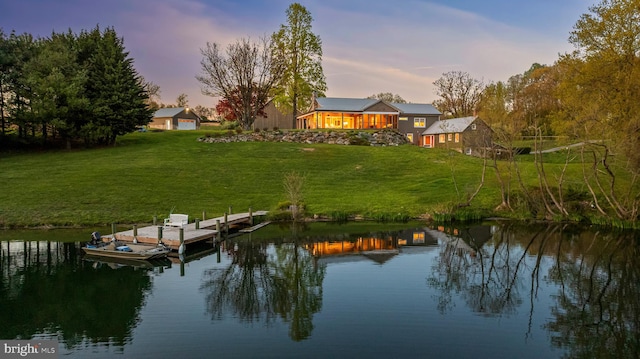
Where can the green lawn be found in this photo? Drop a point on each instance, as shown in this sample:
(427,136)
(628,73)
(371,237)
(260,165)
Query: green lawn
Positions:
(151,173)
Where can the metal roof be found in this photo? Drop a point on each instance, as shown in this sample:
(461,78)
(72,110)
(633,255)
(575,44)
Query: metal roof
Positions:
(416,108)
(361,104)
(168,112)
(452,125)
(344,104)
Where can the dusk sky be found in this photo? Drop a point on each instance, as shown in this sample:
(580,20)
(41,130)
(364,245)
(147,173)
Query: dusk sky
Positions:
(370,46)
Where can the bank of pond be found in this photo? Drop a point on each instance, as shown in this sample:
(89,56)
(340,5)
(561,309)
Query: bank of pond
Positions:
(489,289)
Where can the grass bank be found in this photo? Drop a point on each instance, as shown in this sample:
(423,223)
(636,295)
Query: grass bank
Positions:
(153,173)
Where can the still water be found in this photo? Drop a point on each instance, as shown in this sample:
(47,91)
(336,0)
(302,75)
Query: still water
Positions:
(491,290)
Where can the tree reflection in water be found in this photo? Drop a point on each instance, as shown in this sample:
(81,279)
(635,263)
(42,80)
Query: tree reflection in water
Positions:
(596,312)
(47,289)
(264,282)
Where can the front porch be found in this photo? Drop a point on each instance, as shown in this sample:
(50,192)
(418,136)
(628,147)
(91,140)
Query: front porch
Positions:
(348,120)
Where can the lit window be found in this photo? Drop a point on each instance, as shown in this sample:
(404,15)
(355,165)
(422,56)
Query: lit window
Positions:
(419,122)
(457,137)
(403,118)
(449,137)
(418,237)
(473,126)
(410,137)
(441,138)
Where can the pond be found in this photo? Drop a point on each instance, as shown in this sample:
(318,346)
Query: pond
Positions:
(490,290)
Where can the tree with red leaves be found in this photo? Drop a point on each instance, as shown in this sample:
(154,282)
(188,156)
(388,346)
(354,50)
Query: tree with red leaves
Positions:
(225,107)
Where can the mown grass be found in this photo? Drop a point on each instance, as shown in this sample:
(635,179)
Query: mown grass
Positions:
(150,174)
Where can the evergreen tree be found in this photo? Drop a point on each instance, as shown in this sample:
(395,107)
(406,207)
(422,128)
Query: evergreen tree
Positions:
(115,90)
(57,83)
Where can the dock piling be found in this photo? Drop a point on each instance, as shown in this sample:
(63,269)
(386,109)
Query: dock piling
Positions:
(204,215)
(198,222)
(181,248)
(135,233)
(159,234)
(113,230)
(155,220)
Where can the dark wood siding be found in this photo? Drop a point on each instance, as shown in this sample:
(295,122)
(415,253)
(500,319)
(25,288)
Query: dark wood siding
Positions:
(380,107)
(408,126)
(477,138)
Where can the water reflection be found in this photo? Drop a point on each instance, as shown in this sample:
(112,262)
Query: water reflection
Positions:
(46,289)
(597,309)
(264,282)
(595,312)
(579,287)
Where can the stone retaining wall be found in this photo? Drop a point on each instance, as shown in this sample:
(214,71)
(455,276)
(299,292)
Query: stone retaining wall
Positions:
(362,138)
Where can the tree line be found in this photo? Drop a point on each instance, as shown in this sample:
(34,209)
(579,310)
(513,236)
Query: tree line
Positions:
(588,97)
(70,88)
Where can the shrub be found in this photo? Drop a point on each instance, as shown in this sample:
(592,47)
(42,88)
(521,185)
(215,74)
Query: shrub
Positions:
(228,125)
(358,139)
(339,216)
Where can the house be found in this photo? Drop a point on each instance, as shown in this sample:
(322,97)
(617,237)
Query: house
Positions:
(175,118)
(470,135)
(414,118)
(355,113)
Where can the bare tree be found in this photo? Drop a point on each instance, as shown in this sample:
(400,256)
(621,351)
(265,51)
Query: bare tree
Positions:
(153,91)
(293,185)
(182,100)
(389,97)
(244,74)
(459,92)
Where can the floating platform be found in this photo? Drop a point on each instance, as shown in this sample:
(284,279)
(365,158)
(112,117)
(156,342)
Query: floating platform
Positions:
(171,235)
(254,228)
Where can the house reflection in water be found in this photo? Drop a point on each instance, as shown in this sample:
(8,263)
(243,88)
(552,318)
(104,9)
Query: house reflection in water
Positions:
(375,246)
(380,247)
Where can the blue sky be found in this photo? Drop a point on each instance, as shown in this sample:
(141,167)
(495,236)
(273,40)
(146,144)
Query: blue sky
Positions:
(370,46)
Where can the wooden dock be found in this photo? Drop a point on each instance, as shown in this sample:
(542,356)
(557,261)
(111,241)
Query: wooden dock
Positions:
(171,235)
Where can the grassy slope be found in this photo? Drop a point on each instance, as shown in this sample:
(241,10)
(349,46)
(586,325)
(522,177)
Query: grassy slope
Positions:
(148,174)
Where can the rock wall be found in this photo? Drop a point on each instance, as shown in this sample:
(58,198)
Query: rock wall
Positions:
(362,138)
